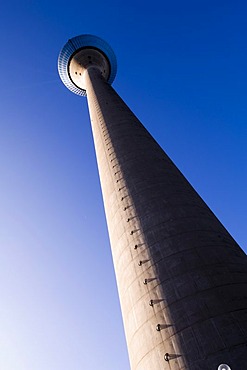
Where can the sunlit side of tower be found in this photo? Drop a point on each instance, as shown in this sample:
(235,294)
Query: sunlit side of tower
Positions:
(182,279)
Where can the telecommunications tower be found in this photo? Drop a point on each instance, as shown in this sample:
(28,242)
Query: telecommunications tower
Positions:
(182,279)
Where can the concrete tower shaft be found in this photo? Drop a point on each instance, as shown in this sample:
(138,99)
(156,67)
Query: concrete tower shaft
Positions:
(182,279)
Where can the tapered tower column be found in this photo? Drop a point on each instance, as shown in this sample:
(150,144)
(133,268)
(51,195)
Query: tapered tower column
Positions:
(181,277)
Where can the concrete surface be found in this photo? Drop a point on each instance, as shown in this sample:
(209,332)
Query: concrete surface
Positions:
(162,231)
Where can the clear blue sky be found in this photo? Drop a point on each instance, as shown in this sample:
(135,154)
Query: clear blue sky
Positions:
(182,69)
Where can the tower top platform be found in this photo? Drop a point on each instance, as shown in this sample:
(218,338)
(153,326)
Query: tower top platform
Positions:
(80,53)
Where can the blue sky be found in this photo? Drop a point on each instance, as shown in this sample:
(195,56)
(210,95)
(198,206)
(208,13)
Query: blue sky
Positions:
(182,70)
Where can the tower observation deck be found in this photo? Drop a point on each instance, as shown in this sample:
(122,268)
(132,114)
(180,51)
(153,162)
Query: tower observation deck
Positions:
(182,279)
